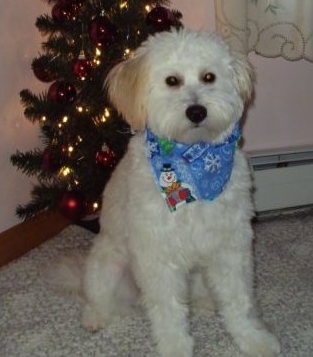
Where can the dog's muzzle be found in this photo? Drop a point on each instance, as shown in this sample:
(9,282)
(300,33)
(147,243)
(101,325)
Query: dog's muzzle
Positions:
(196,113)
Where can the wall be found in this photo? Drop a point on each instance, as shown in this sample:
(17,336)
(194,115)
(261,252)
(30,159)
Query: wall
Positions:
(19,43)
(280,117)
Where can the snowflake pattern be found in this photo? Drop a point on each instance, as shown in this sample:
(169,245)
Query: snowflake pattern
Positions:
(212,163)
(203,169)
(152,148)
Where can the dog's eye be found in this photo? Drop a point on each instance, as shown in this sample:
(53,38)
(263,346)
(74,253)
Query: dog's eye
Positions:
(209,77)
(173,81)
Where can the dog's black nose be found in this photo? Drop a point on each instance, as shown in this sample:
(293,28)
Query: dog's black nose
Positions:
(196,113)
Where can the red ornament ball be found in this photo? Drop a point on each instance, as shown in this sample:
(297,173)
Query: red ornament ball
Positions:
(62,92)
(61,13)
(79,3)
(72,205)
(101,31)
(73,5)
(50,162)
(160,18)
(42,71)
(106,158)
(82,68)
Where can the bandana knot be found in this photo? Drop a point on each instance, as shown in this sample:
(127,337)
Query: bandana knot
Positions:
(186,173)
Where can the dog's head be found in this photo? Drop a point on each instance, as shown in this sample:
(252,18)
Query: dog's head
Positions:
(185,85)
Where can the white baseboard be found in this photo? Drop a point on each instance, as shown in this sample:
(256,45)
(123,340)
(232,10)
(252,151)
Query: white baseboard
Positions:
(284,187)
(283,180)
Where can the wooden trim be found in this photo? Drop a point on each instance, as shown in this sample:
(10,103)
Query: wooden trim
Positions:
(27,235)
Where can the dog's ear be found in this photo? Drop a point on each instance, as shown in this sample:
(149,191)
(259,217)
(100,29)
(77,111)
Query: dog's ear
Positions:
(126,84)
(243,76)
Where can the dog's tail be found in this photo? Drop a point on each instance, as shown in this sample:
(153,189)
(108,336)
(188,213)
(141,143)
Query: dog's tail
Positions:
(66,276)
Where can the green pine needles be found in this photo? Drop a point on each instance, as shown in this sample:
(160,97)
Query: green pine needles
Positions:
(83,137)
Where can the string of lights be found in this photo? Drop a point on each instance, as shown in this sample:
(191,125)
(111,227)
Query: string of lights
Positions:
(83,136)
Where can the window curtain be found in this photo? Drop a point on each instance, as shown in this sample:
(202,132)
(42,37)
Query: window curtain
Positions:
(269,28)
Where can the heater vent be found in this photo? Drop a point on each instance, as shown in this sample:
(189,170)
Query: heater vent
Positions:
(282,179)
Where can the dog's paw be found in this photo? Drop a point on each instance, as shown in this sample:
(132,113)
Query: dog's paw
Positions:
(259,343)
(203,304)
(95,318)
(92,320)
(176,348)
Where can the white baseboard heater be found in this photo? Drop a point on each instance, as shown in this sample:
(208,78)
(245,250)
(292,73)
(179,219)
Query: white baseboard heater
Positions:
(282,179)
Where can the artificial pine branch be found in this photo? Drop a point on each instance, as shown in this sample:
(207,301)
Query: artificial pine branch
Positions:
(59,45)
(37,106)
(30,162)
(43,197)
(29,98)
(83,136)
(46,25)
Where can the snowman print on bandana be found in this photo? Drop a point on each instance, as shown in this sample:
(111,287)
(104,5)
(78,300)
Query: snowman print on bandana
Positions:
(174,191)
(187,173)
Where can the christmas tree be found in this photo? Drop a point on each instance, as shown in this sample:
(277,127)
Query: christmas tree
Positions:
(83,136)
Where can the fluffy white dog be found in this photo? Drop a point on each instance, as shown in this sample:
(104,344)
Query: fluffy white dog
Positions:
(179,200)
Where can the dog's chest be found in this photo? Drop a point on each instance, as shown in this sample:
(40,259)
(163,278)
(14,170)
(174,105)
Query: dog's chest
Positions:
(192,232)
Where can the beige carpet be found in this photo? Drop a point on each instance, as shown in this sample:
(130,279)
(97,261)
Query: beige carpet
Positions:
(34,322)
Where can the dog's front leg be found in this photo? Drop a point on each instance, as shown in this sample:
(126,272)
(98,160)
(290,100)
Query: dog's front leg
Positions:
(230,275)
(105,267)
(164,290)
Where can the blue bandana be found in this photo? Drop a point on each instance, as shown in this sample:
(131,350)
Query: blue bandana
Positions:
(186,173)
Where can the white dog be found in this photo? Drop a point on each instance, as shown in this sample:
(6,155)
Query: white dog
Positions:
(179,200)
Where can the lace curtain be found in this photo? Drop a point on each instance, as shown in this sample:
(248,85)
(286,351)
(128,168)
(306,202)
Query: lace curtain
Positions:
(269,28)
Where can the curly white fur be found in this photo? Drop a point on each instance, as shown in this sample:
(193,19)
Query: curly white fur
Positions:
(144,250)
